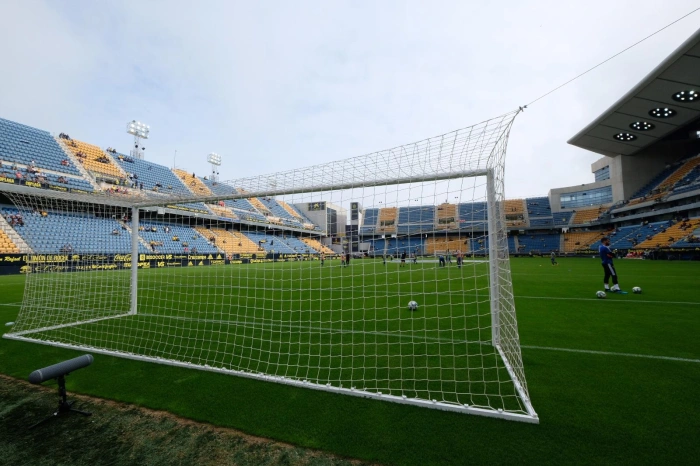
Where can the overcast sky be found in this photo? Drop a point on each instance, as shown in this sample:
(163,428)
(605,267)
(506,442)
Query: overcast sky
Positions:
(278,85)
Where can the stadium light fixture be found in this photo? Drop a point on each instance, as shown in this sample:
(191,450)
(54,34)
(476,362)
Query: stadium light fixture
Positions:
(690,95)
(139,131)
(642,126)
(664,112)
(215,160)
(625,137)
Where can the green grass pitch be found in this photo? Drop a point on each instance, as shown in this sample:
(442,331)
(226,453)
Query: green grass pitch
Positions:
(613,381)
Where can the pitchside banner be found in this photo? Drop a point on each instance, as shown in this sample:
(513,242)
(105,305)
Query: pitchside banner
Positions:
(45,185)
(38,263)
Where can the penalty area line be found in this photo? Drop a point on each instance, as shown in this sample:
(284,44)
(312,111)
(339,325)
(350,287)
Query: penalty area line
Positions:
(610,353)
(635,301)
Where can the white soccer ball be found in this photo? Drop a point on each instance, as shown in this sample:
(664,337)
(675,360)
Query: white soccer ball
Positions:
(636,290)
(412,305)
(601,294)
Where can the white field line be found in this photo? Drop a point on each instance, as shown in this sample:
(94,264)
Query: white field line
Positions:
(631,301)
(609,353)
(418,337)
(10,304)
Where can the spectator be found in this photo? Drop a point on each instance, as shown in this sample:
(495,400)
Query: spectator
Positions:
(115,232)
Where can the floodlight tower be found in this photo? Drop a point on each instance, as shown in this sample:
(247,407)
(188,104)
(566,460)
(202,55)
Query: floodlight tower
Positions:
(139,131)
(215,160)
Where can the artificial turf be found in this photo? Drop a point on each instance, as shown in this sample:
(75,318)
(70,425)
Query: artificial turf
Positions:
(598,396)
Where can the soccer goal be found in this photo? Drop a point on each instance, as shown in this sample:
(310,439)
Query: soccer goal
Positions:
(287,277)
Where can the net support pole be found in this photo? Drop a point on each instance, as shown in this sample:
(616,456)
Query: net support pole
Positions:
(494,285)
(134,259)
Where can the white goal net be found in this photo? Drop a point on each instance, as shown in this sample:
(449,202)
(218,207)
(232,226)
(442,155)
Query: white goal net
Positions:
(383,276)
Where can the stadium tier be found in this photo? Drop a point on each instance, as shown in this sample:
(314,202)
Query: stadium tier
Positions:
(580,241)
(538,207)
(475,211)
(94,159)
(58,232)
(396,246)
(192,183)
(315,244)
(270,243)
(153,176)
(538,243)
(585,216)
(22,145)
(6,244)
(174,239)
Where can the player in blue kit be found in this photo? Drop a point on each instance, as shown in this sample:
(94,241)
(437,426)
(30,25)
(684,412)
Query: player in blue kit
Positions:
(606,257)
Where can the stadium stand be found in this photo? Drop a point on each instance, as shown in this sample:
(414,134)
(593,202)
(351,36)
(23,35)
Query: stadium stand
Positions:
(661,190)
(580,240)
(315,244)
(276,210)
(416,219)
(242,208)
(259,205)
(538,243)
(446,217)
(538,207)
(450,243)
(369,222)
(229,241)
(299,246)
(21,144)
(691,240)
(194,184)
(174,239)
(585,216)
(515,212)
(94,159)
(541,223)
(56,233)
(6,244)
(472,212)
(562,219)
(387,220)
(152,175)
(629,236)
(222,211)
(668,236)
(395,246)
(270,243)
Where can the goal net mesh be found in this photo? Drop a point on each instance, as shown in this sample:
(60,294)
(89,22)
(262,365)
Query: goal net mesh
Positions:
(301,277)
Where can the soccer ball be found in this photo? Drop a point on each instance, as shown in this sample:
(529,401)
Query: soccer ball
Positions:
(601,294)
(636,290)
(412,306)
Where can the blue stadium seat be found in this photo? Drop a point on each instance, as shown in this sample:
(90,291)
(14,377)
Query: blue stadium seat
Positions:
(85,234)
(186,236)
(23,144)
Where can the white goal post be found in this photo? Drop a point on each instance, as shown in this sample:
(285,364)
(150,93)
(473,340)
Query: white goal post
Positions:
(261,278)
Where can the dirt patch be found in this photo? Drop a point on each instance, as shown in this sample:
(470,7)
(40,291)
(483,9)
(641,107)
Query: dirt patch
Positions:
(122,434)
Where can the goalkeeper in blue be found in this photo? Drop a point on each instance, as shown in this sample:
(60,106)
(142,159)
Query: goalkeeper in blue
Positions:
(606,257)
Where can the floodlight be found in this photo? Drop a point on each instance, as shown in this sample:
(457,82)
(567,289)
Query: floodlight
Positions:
(214,159)
(139,131)
(642,126)
(625,137)
(687,96)
(664,112)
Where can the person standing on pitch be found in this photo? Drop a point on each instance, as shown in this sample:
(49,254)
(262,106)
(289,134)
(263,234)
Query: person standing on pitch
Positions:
(323,259)
(606,257)
(459,256)
(553,258)
(403,259)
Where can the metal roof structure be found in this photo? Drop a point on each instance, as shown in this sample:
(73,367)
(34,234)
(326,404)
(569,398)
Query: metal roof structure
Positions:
(652,110)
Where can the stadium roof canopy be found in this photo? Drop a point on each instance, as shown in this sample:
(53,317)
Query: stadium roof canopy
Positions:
(652,110)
